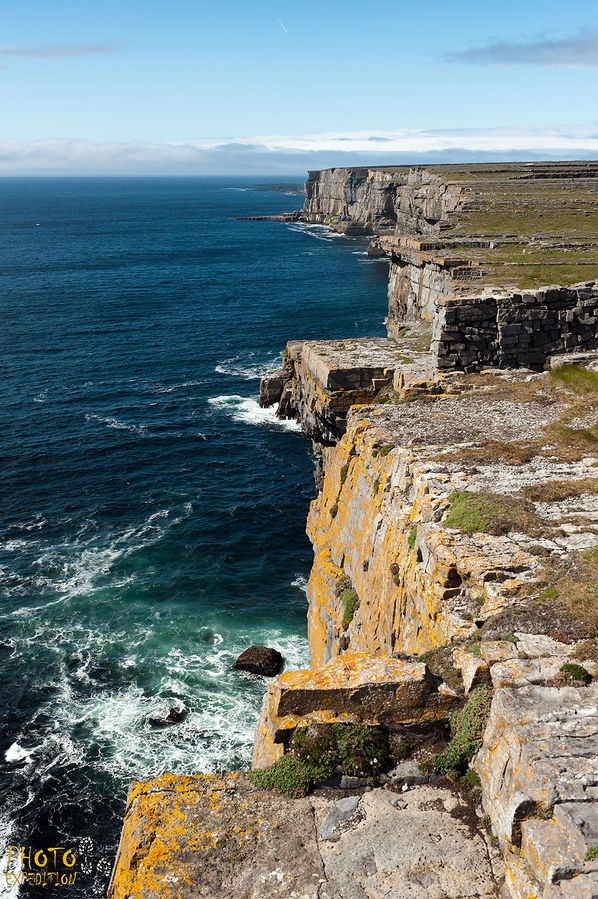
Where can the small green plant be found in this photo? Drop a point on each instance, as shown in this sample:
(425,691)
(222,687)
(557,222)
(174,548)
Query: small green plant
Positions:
(412,537)
(351,603)
(576,671)
(591,855)
(544,814)
(402,751)
(334,510)
(471,778)
(507,637)
(385,450)
(486,821)
(474,649)
(467,728)
(344,473)
(285,353)
(549,593)
(312,757)
(376,485)
(493,841)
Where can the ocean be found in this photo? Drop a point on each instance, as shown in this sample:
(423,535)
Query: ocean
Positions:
(152,520)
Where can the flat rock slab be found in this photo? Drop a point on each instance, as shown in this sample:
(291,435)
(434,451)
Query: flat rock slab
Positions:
(217,838)
(419,849)
(221,837)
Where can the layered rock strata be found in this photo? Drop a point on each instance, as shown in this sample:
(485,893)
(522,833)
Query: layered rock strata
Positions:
(415,597)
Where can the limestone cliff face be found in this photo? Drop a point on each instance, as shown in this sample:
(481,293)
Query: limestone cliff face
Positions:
(397,200)
(376,529)
(396,203)
(352,200)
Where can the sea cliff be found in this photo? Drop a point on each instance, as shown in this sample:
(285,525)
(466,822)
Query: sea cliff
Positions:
(452,605)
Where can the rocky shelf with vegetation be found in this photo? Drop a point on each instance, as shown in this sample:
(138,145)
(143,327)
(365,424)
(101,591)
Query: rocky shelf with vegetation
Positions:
(444,742)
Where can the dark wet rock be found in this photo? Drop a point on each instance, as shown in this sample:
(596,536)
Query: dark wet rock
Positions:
(260,660)
(171,716)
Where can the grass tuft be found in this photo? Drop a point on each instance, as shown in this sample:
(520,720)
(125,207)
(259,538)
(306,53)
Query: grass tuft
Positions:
(412,537)
(578,672)
(313,754)
(351,603)
(491,513)
(467,728)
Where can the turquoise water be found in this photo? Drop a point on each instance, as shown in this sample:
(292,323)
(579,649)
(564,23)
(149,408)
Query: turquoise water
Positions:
(152,522)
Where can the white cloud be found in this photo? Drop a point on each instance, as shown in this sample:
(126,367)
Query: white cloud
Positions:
(58,51)
(287,154)
(579,51)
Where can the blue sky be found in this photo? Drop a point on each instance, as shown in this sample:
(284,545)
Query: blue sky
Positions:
(230,85)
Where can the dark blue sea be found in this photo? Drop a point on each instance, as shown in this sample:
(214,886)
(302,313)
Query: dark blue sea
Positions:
(152,516)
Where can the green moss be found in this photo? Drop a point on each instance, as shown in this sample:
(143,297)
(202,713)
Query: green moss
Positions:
(507,637)
(467,727)
(351,603)
(491,513)
(334,510)
(549,593)
(285,353)
(288,775)
(344,473)
(385,450)
(576,671)
(312,757)
(412,537)
(591,855)
(576,378)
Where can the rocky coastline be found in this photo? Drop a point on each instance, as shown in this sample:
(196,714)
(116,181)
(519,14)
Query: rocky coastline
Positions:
(453,617)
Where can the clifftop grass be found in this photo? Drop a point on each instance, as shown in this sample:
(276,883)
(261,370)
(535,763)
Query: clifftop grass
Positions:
(492,513)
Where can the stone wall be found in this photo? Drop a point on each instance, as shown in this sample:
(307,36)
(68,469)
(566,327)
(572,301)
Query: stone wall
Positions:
(515,330)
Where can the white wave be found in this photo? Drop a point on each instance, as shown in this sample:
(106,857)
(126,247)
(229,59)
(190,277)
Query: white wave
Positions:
(241,367)
(10,863)
(41,397)
(163,388)
(16,753)
(320,232)
(249,411)
(116,423)
(300,582)
(81,565)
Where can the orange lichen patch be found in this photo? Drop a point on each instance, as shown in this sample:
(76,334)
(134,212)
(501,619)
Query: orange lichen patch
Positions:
(186,836)
(419,584)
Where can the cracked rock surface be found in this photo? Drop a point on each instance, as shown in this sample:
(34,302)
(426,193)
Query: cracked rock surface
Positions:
(221,837)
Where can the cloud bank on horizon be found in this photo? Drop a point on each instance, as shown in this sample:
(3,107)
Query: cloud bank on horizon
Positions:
(271,155)
(579,51)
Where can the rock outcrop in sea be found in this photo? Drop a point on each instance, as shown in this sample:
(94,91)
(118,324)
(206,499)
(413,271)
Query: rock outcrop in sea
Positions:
(453,599)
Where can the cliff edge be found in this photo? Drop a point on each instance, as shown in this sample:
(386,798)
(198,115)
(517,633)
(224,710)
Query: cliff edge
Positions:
(444,741)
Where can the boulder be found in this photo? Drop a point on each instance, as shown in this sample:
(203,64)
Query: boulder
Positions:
(172,715)
(260,660)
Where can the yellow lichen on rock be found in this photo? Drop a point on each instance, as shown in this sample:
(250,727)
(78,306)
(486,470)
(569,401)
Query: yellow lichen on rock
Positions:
(357,688)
